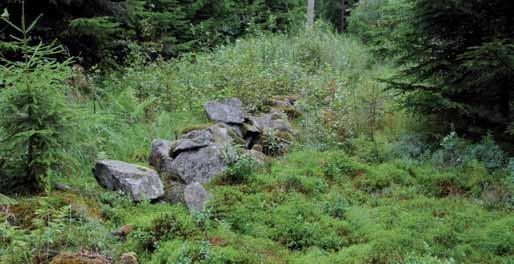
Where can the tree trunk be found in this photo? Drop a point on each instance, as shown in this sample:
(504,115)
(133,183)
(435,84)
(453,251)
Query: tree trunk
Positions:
(343,15)
(310,12)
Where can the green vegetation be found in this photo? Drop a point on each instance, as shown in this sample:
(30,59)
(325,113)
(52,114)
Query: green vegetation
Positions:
(455,59)
(36,116)
(365,180)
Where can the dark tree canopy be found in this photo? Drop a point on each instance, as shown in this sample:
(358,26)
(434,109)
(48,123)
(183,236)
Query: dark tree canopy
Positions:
(105,30)
(459,63)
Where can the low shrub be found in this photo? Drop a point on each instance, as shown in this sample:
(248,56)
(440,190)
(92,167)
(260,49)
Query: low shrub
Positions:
(175,225)
(382,176)
(242,170)
(339,166)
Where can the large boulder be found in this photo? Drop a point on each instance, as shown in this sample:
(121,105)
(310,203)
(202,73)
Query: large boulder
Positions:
(196,197)
(226,111)
(201,165)
(160,158)
(140,182)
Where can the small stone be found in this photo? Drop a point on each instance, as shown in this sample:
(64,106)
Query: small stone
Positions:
(129,258)
(62,187)
(123,232)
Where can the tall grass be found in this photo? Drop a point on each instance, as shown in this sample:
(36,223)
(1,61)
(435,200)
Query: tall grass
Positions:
(333,75)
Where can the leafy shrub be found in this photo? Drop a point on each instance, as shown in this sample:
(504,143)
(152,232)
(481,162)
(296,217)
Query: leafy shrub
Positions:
(293,228)
(177,225)
(274,143)
(456,152)
(54,227)
(336,205)
(384,175)
(183,252)
(410,147)
(415,259)
(488,153)
(242,170)
(305,185)
(339,166)
(374,151)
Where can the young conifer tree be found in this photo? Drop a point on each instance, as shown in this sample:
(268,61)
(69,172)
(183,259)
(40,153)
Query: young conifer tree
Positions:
(36,116)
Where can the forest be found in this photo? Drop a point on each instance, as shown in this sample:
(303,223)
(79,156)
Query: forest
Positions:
(256,131)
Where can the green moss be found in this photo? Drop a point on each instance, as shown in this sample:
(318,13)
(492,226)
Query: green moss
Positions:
(188,129)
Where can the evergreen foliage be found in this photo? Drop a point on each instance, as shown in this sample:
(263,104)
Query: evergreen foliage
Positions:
(104,32)
(36,114)
(459,64)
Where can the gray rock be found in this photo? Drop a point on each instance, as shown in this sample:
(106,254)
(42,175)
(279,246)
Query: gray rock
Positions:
(199,135)
(160,158)
(140,182)
(226,111)
(226,134)
(174,193)
(62,187)
(196,197)
(189,144)
(190,141)
(275,121)
(233,129)
(233,101)
(219,133)
(203,164)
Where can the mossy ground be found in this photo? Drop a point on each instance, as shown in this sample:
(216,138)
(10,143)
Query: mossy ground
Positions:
(326,207)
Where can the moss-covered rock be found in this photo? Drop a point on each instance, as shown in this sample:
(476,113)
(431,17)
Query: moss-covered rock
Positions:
(80,258)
